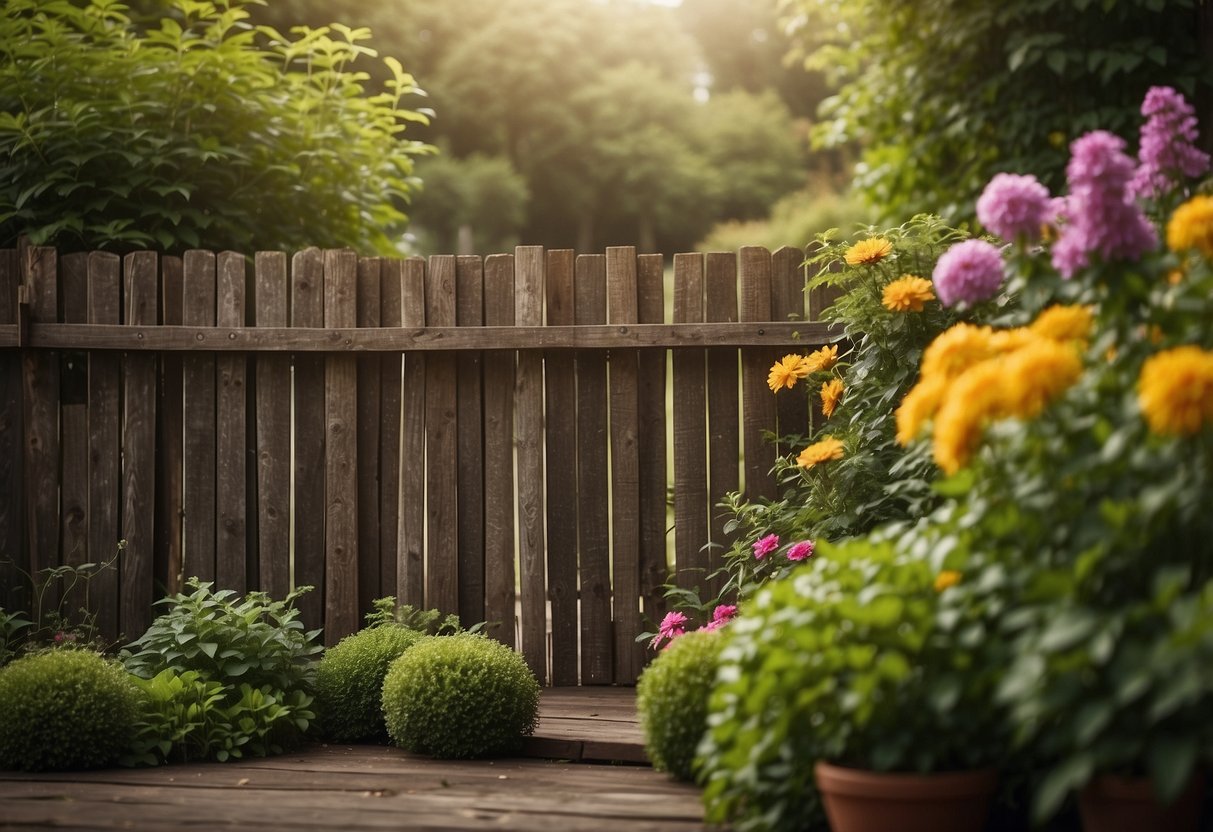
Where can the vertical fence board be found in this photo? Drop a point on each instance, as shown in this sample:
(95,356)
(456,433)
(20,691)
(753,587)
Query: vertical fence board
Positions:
(198,309)
(40,379)
(654,569)
(528,431)
(369,300)
(307,310)
(390,365)
(104,307)
(341,453)
(170,471)
(73,424)
(273,430)
(561,457)
(724,426)
(499,584)
(469,311)
(593,520)
(690,432)
(12,583)
(231,439)
(442,544)
(138,450)
(788,303)
(758,403)
(410,571)
(625,468)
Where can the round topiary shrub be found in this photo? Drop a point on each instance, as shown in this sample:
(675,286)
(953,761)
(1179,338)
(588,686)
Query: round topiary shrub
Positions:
(65,709)
(349,682)
(460,696)
(672,699)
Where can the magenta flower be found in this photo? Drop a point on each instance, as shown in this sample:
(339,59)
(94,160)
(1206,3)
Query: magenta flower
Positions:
(971,272)
(1168,153)
(765,545)
(723,614)
(1101,216)
(1013,206)
(672,626)
(802,550)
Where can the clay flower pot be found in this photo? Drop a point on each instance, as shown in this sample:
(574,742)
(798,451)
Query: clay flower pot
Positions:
(865,801)
(1112,804)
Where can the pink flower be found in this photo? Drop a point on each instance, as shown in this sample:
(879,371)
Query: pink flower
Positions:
(971,272)
(1168,153)
(1013,206)
(802,550)
(765,545)
(672,626)
(723,614)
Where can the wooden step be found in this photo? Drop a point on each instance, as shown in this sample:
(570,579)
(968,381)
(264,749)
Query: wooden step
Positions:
(588,724)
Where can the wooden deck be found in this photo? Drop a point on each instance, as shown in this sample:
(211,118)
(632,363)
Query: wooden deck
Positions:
(368,787)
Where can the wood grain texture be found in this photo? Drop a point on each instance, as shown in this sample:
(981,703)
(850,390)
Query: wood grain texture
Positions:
(140,307)
(340,454)
(499,579)
(73,423)
(14,591)
(200,394)
(370,392)
(788,303)
(390,368)
(273,430)
(410,570)
(593,517)
(724,423)
(104,444)
(442,543)
(758,403)
(529,268)
(307,310)
(170,467)
(231,435)
(560,400)
(469,312)
(690,432)
(651,442)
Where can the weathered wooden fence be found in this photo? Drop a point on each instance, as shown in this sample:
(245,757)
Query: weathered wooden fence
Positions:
(484,436)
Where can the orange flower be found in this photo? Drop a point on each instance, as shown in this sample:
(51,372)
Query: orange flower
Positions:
(1175,391)
(1064,323)
(867,252)
(827,449)
(919,405)
(831,395)
(822,359)
(786,370)
(945,579)
(907,294)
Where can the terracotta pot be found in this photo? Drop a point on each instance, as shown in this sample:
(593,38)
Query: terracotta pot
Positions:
(866,801)
(1111,804)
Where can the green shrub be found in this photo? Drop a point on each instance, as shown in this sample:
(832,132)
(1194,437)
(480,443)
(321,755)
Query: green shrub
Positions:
(65,709)
(460,696)
(672,698)
(349,681)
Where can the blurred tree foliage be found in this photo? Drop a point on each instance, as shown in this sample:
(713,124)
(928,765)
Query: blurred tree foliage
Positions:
(185,126)
(941,94)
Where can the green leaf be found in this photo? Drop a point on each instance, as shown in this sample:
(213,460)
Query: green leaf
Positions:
(1171,760)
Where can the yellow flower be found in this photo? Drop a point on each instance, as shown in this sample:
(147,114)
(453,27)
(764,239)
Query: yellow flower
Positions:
(1064,323)
(1037,374)
(786,370)
(973,399)
(907,294)
(1175,391)
(867,252)
(831,395)
(945,579)
(1191,226)
(827,449)
(822,359)
(919,405)
(956,349)
(1175,277)
(1005,341)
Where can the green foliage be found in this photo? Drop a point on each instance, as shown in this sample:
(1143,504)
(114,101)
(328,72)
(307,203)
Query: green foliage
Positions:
(11,625)
(426,622)
(228,639)
(460,696)
(199,130)
(799,216)
(65,709)
(185,717)
(672,700)
(942,95)
(349,681)
(480,197)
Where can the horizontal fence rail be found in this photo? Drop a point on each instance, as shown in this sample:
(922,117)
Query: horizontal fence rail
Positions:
(494,437)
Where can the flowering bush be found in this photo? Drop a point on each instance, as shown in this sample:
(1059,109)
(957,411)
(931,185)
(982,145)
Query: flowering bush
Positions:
(672,701)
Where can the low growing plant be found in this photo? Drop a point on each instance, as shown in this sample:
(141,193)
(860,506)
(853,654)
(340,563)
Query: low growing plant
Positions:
(672,700)
(349,681)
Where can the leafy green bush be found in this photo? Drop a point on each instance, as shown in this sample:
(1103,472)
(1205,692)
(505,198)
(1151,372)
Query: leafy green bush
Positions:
(460,696)
(199,130)
(672,699)
(349,681)
(65,709)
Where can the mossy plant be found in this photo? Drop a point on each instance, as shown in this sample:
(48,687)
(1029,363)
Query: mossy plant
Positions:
(672,699)
(65,709)
(460,696)
(349,682)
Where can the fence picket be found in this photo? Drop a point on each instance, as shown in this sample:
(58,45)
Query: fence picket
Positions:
(12,584)
(758,405)
(198,310)
(370,391)
(499,582)
(104,281)
(307,310)
(390,367)
(170,470)
(73,424)
(273,430)
(690,432)
(788,303)
(442,544)
(410,572)
(469,311)
(651,441)
(231,439)
(724,426)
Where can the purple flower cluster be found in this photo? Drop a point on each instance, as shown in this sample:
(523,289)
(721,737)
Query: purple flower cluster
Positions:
(1014,207)
(1100,215)
(1168,153)
(971,272)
